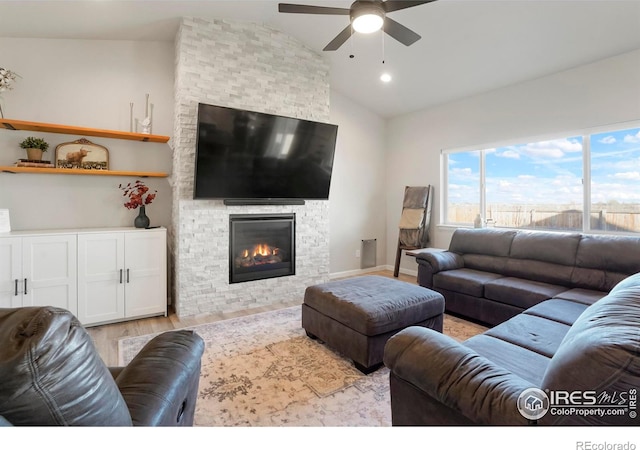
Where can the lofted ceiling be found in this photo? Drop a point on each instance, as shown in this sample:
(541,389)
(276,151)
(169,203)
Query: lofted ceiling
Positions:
(468,46)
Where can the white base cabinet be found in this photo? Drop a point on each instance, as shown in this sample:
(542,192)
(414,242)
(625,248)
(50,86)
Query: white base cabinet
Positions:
(38,271)
(121,275)
(100,275)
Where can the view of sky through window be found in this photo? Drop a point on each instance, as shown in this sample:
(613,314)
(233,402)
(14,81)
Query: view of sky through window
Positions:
(540,184)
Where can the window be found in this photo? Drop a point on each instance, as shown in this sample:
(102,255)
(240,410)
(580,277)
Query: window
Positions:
(575,183)
(615,175)
(463,187)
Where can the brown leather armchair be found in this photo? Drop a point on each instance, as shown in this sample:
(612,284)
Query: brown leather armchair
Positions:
(51,374)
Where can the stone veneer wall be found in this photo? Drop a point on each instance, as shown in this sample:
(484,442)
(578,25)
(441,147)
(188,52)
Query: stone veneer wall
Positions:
(245,66)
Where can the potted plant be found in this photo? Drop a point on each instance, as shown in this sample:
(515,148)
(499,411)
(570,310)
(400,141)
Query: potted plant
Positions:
(34,147)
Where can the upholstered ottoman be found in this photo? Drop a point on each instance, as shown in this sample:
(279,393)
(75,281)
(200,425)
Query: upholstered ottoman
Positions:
(357,316)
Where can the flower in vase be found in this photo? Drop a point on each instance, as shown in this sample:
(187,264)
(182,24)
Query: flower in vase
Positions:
(139,194)
(7,77)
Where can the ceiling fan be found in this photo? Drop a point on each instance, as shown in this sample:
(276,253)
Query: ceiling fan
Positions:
(366,16)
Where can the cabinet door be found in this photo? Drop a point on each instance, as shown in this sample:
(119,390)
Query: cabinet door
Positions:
(11,280)
(49,264)
(100,277)
(146,273)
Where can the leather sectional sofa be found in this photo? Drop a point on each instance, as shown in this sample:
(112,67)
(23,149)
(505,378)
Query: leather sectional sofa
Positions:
(490,275)
(51,374)
(585,359)
(570,341)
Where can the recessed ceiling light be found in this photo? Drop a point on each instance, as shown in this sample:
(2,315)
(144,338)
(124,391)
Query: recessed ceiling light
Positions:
(385,78)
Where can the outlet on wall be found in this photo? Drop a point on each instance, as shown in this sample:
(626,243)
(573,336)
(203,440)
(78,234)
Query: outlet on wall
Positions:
(358,253)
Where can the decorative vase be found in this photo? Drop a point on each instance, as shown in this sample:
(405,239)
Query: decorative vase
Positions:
(142,221)
(34,154)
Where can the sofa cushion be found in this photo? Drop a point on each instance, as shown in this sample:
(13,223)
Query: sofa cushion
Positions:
(495,264)
(556,248)
(543,256)
(604,261)
(519,292)
(527,364)
(579,295)
(51,373)
(600,351)
(465,281)
(482,241)
(537,334)
(539,271)
(563,311)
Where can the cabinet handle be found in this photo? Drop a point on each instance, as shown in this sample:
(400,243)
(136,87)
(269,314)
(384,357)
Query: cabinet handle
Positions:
(120,276)
(127,275)
(16,294)
(25,286)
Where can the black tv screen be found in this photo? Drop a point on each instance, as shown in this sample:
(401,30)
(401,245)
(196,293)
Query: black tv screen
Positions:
(250,155)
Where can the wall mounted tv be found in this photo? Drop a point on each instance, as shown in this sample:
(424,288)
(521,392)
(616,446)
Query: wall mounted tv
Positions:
(251,157)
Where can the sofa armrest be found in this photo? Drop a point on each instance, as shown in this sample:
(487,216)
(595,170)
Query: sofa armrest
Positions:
(160,384)
(450,374)
(430,263)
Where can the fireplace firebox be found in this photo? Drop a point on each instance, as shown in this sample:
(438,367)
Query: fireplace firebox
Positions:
(261,246)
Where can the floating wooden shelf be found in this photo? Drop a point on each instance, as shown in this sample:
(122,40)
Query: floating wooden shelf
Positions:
(10,124)
(51,170)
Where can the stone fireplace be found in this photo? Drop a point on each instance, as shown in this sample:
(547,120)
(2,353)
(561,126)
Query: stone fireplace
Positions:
(261,246)
(253,67)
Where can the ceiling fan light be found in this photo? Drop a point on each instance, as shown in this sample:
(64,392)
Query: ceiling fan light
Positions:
(367,23)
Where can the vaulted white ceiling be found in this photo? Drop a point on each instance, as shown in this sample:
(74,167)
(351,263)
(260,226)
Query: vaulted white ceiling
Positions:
(467,47)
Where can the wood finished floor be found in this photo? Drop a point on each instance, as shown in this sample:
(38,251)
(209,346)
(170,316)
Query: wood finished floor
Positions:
(106,337)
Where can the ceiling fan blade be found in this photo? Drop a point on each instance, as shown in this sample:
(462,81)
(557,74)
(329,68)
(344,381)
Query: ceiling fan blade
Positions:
(392,5)
(338,40)
(308,9)
(399,32)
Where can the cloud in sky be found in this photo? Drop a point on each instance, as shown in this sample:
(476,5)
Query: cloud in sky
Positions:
(632,138)
(509,154)
(608,140)
(627,175)
(551,149)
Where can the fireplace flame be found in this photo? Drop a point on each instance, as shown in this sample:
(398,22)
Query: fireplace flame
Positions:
(262,250)
(259,255)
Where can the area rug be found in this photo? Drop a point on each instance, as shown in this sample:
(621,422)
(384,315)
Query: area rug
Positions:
(262,370)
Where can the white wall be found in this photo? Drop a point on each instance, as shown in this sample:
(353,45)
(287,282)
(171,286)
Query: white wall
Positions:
(85,83)
(601,93)
(358,203)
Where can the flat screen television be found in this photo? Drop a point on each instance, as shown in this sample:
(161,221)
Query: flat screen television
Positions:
(248,155)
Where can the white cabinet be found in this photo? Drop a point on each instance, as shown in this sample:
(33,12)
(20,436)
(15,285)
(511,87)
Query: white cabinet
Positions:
(100,275)
(11,272)
(39,270)
(121,275)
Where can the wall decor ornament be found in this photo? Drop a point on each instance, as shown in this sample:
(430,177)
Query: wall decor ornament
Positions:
(145,124)
(7,78)
(82,154)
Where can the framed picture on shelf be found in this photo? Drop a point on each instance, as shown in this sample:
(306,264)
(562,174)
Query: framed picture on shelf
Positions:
(82,154)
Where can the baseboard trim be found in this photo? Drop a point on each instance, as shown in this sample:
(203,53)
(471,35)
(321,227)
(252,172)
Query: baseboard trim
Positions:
(413,273)
(352,273)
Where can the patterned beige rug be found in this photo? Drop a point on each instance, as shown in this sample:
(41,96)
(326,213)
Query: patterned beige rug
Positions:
(262,370)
